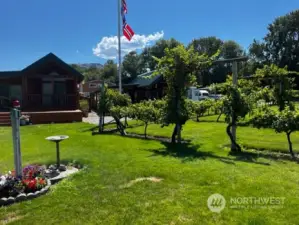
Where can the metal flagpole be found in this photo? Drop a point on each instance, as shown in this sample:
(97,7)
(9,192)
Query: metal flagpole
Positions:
(119,44)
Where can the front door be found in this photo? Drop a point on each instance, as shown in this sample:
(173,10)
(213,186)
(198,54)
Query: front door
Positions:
(47,98)
(60,93)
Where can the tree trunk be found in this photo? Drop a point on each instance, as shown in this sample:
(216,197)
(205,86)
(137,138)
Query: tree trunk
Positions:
(174,133)
(197,118)
(126,122)
(120,126)
(179,133)
(234,147)
(101,123)
(145,128)
(219,115)
(290,144)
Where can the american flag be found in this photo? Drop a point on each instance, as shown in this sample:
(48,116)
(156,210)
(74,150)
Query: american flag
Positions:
(127,30)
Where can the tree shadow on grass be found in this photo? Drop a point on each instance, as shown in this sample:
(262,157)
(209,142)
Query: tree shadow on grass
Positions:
(189,152)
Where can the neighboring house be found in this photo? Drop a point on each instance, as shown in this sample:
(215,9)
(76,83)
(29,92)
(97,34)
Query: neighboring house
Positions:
(144,87)
(88,87)
(46,89)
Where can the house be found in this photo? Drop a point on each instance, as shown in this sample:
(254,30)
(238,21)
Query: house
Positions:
(47,90)
(144,87)
(86,88)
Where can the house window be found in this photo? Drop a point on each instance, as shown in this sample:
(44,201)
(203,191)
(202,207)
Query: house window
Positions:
(93,85)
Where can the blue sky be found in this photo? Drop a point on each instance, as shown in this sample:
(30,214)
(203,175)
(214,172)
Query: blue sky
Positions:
(73,28)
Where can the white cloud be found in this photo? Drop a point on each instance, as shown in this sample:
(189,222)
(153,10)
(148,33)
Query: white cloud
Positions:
(107,48)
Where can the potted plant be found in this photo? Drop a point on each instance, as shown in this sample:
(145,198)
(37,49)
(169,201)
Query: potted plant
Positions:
(24,120)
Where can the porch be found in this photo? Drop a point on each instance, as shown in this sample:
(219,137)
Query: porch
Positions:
(43,117)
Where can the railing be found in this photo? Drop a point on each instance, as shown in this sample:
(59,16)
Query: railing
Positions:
(68,101)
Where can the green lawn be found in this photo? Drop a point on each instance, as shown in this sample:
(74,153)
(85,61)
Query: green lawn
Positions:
(190,173)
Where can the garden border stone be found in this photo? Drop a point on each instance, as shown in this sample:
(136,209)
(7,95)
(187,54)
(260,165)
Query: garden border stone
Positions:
(30,196)
(23,197)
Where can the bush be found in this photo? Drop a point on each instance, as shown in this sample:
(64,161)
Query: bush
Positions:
(147,112)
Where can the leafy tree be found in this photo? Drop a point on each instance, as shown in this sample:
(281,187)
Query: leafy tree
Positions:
(149,54)
(199,108)
(236,107)
(282,42)
(109,71)
(231,49)
(206,45)
(280,81)
(145,112)
(132,65)
(286,121)
(178,67)
(111,101)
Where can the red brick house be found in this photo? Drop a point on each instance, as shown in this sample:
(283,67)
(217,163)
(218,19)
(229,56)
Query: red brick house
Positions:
(86,88)
(46,89)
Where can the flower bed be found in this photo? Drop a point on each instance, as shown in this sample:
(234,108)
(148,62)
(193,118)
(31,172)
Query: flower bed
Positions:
(32,184)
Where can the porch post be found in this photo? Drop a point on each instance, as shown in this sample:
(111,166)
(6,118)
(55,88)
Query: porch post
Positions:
(77,93)
(24,92)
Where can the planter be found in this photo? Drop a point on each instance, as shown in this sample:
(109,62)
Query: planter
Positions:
(23,196)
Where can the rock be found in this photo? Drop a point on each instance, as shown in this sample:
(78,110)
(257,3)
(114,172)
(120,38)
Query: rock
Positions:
(10,200)
(51,173)
(3,201)
(37,193)
(30,196)
(52,167)
(43,191)
(63,175)
(62,167)
(21,197)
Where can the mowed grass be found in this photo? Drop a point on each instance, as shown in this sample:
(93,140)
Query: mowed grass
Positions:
(248,137)
(190,172)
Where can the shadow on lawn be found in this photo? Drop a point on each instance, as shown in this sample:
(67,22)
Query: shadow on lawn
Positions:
(190,152)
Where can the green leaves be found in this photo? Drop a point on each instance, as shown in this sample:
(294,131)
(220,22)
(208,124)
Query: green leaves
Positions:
(236,104)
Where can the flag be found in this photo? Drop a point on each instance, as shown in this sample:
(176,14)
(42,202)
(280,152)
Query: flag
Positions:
(128,32)
(124,6)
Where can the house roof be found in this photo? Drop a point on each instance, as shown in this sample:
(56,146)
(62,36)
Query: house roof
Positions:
(145,80)
(51,58)
(41,63)
(5,74)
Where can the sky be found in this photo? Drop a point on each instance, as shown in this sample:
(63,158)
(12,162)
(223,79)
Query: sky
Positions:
(80,31)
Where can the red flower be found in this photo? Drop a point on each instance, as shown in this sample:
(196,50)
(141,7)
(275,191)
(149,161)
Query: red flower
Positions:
(42,181)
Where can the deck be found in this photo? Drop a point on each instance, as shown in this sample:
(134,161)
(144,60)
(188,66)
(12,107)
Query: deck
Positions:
(44,117)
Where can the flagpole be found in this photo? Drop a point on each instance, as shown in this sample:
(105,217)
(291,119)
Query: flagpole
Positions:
(119,44)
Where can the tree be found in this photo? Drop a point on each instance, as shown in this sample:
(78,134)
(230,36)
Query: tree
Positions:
(89,73)
(236,106)
(231,49)
(206,45)
(156,51)
(210,45)
(286,121)
(111,101)
(282,41)
(178,68)
(109,71)
(280,81)
(132,65)
(145,112)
